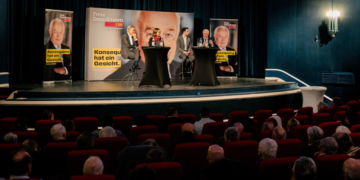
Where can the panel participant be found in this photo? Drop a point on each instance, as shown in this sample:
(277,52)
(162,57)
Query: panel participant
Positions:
(183,48)
(156,38)
(60,70)
(229,68)
(129,46)
(205,39)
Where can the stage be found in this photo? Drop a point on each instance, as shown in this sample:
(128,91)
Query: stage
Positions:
(98,98)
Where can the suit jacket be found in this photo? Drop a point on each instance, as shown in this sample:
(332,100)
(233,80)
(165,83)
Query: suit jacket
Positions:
(180,46)
(126,46)
(162,126)
(232,62)
(202,40)
(156,42)
(49,73)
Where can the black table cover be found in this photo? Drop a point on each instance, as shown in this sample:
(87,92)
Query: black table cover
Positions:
(156,69)
(204,69)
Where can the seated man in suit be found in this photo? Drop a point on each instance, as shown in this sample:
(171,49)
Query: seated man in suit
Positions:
(183,48)
(156,38)
(129,46)
(205,39)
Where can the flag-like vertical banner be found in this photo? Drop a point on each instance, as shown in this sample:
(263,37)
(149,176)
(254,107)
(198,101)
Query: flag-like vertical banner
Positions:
(225,33)
(57,45)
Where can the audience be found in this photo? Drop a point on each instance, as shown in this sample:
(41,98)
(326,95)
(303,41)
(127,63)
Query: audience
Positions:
(21,124)
(68,124)
(188,127)
(85,141)
(187,137)
(107,121)
(321,105)
(304,169)
(48,115)
(21,165)
(350,119)
(278,133)
(107,131)
(149,142)
(231,134)
(315,134)
(10,138)
(171,118)
(93,166)
(351,169)
(267,149)
(291,123)
(343,129)
(277,120)
(58,133)
(29,145)
(336,102)
(246,122)
(239,127)
(155,155)
(142,173)
(204,114)
(327,146)
(345,144)
(268,125)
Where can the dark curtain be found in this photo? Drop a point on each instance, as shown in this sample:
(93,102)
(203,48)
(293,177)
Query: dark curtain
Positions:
(22,38)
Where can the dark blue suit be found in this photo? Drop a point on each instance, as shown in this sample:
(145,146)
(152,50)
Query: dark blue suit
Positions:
(202,40)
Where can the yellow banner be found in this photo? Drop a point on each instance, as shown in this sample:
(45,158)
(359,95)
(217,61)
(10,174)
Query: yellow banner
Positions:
(53,56)
(221,56)
(106,57)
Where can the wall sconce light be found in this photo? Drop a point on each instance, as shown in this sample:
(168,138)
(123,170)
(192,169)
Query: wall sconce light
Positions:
(333,22)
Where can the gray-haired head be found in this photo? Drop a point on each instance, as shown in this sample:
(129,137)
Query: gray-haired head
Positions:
(328,145)
(304,169)
(267,149)
(58,132)
(343,141)
(343,129)
(10,138)
(268,125)
(221,27)
(315,133)
(107,131)
(93,166)
(56,20)
(278,133)
(231,134)
(351,169)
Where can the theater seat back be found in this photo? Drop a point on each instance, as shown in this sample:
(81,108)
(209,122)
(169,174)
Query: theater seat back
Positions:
(204,138)
(82,124)
(320,118)
(260,116)
(24,135)
(155,119)
(187,118)
(165,170)
(42,128)
(329,128)
(236,115)
(60,150)
(216,129)
(246,151)
(245,136)
(308,111)
(278,168)
(135,132)
(300,132)
(286,113)
(7,125)
(288,148)
(217,117)
(330,166)
(123,123)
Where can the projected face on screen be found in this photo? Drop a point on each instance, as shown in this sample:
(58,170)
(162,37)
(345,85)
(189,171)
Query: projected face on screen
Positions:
(168,23)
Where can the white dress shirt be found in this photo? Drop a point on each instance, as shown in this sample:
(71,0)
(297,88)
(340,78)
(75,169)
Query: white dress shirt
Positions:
(198,126)
(185,38)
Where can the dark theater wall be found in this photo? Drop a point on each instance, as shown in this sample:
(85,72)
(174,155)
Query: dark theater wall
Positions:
(292,27)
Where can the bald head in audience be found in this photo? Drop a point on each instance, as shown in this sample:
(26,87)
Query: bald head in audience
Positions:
(304,169)
(93,166)
(343,129)
(279,133)
(58,132)
(239,127)
(351,169)
(267,149)
(188,127)
(21,165)
(215,153)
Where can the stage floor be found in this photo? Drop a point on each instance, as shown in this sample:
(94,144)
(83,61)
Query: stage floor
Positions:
(117,90)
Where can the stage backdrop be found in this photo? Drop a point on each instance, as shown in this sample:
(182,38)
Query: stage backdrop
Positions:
(57,45)
(225,34)
(104,28)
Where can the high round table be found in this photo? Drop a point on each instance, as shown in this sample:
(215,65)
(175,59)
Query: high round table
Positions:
(156,69)
(204,69)
(312,96)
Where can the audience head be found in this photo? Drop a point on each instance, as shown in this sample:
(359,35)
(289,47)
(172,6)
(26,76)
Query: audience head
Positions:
(58,132)
(48,115)
(239,127)
(268,125)
(21,164)
(107,120)
(315,133)
(21,124)
(291,123)
(187,127)
(336,101)
(155,155)
(141,121)
(278,133)
(29,145)
(150,142)
(231,134)
(93,166)
(267,149)
(351,169)
(205,112)
(351,118)
(215,153)
(142,173)
(277,120)
(10,138)
(171,111)
(344,142)
(107,131)
(187,136)
(304,169)
(85,141)
(328,146)
(343,129)
(68,124)
(322,105)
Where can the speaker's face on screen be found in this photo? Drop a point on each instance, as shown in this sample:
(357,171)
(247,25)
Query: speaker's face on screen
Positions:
(168,24)
(56,33)
(222,38)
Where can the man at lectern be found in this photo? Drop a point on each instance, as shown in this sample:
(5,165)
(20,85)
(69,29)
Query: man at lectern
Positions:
(129,46)
(205,39)
(59,70)
(183,48)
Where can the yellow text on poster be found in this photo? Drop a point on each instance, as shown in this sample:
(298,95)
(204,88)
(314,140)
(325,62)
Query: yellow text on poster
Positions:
(53,56)
(221,56)
(106,57)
